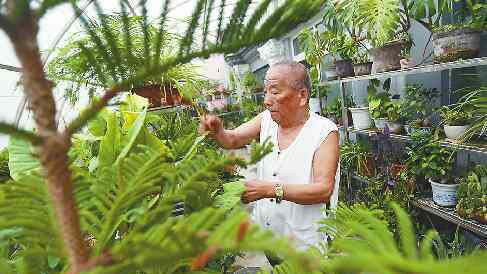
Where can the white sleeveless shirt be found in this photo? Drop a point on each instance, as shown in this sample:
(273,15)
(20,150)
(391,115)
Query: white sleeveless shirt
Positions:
(293,165)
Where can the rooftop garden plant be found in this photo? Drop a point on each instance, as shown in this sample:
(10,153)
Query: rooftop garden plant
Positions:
(121,221)
(73,62)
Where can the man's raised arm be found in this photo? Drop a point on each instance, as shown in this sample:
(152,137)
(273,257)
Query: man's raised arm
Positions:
(233,138)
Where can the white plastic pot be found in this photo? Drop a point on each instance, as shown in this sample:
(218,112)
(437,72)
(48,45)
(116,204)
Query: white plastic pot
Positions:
(314,105)
(444,195)
(454,132)
(380,123)
(361,118)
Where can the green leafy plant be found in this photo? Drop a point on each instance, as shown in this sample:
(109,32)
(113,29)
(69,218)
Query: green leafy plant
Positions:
(361,57)
(249,82)
(418,103)
(428,158)
(378,104)
(361,237)
(476,101)
(455,116)
(393,110)
(64,211)
(356,156)
(4,170)
(472,195)
(73,62)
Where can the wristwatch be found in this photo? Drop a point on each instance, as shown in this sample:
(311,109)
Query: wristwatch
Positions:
(279,191)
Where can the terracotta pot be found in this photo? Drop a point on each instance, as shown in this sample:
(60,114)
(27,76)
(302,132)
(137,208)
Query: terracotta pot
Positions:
(159,95)
(367,169)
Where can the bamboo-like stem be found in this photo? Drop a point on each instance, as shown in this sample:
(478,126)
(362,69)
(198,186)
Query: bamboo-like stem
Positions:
(12,130)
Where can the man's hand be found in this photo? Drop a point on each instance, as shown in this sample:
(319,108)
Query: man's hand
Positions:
(256,190)
(211,124)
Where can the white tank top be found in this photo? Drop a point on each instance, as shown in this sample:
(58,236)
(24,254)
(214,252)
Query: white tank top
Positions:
(293,165)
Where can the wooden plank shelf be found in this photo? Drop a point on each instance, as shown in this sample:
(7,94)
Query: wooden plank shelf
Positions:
(473,147)
(450,215)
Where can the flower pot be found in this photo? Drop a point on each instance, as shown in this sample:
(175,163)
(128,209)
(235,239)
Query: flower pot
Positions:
(344,68)
(387,58)
(410,130)
(457,44)
(331,73)
(380,123)
(454,132)
(362,69)
(406,63)
(396,169)
(367,168)
(360,117)
(394,127)
(314,105)
(444,195)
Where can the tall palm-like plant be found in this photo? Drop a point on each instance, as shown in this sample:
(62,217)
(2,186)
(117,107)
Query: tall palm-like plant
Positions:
(19,19)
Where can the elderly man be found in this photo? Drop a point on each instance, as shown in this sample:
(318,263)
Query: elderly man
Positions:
(300,176)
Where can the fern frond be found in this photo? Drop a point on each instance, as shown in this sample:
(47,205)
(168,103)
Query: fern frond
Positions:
(26,208)
(190,242)
(361,250)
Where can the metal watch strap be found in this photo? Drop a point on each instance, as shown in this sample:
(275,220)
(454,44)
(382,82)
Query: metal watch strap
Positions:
(279,191)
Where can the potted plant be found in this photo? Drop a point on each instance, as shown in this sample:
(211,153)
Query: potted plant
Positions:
(455,121)
(393,110)
(361,64)
(250,83)
(417,107)
(461,38)
(72,64)
(345,47)
(472,195)
(356,156)
(406,60)
(433,162)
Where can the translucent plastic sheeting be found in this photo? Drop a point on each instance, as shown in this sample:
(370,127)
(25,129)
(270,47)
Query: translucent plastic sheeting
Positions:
(57,27)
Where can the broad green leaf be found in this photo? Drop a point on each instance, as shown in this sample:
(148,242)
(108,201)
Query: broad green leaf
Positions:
(110,144)
(21,158)
(97,126)
(134,103)
(134,128)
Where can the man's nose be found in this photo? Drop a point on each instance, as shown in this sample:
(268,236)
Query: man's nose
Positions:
(267,100)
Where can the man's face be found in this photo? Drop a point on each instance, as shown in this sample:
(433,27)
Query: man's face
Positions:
(281,98)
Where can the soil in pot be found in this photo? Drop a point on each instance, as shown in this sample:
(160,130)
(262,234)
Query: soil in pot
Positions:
(457,44)
(454,132)
(367,168)
(444,194)
(362,69)
(361,118)
(387,58)
(344,68)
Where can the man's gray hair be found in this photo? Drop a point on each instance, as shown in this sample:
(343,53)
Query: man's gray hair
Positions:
(305,81)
